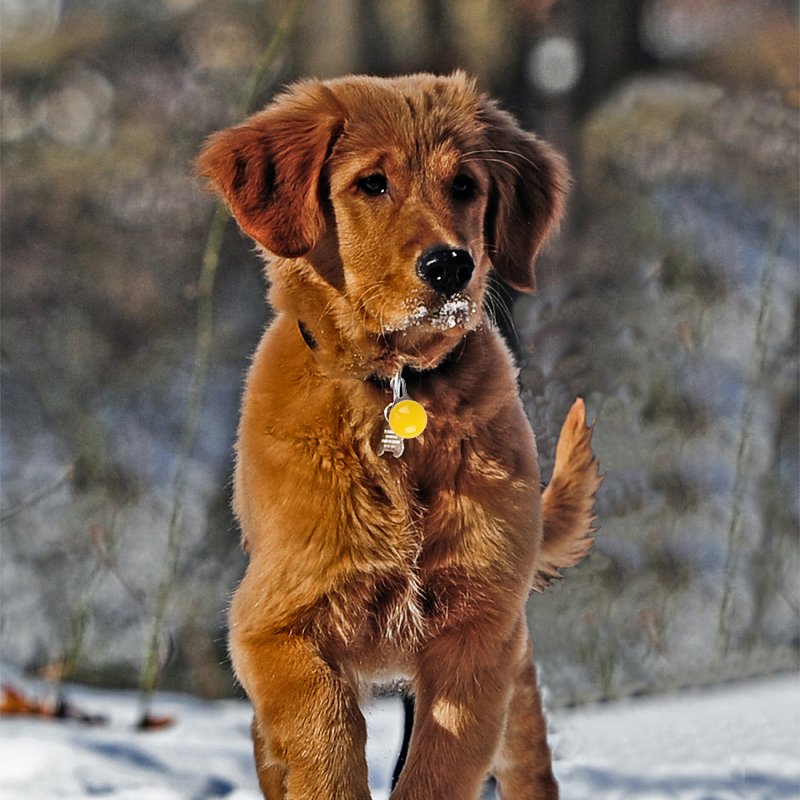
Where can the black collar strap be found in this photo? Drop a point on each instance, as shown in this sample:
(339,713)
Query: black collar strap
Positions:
(307,337)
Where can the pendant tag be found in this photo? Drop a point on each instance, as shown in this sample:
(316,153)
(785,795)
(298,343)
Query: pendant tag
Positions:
(405,417)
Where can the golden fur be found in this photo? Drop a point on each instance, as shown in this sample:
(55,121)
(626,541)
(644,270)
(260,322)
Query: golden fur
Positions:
(365,566)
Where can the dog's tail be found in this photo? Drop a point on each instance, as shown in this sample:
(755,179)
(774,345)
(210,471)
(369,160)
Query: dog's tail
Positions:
(568,500)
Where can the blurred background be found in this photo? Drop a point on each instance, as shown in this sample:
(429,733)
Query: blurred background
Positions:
(670,301)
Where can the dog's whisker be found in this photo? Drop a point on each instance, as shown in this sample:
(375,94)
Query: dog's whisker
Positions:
(513,167)
(496,304)
(367,295)
(517,155)
(329,309)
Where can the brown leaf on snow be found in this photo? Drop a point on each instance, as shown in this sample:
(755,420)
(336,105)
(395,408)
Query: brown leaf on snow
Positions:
(14,702)
(151,722)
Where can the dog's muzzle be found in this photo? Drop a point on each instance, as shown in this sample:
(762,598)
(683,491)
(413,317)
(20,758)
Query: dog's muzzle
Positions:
(447,270)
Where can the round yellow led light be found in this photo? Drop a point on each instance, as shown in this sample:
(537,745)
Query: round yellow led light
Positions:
(407,419)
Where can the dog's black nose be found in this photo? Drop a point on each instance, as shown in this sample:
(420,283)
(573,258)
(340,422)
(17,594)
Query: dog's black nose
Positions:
(446,269)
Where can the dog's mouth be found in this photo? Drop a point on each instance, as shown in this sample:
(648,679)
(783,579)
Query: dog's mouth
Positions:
(458,313)
(426,331)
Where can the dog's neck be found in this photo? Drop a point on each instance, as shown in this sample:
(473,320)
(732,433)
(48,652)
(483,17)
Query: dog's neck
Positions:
(412,374)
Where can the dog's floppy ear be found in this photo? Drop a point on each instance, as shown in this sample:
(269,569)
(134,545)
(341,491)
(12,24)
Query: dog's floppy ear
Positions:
(528,188)
(268,168)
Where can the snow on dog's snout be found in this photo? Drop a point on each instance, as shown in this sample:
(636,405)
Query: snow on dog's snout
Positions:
(456,311)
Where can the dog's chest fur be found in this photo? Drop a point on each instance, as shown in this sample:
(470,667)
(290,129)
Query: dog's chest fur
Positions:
(427,545)
(375,618)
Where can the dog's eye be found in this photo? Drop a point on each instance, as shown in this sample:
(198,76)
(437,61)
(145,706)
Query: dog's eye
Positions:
(373,185)
(463,187)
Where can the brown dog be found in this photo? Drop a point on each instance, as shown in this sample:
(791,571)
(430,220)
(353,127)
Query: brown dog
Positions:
(384,204)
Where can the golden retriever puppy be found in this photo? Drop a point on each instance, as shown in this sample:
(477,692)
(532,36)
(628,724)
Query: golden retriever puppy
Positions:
(387,482)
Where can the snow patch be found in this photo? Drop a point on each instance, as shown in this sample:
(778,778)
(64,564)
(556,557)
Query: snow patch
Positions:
(738,742)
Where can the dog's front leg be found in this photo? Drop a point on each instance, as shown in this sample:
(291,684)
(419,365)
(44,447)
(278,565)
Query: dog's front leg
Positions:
(462,685)
(309,733)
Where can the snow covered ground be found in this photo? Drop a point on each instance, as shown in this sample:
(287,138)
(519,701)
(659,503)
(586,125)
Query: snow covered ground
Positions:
(739,742)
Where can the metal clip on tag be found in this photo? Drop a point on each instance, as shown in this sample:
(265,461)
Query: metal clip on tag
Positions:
(407,419)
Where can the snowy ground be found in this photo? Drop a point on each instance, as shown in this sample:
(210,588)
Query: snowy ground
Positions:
(737,742)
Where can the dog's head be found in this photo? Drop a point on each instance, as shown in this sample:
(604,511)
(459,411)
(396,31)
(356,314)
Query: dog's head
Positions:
(386,203)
